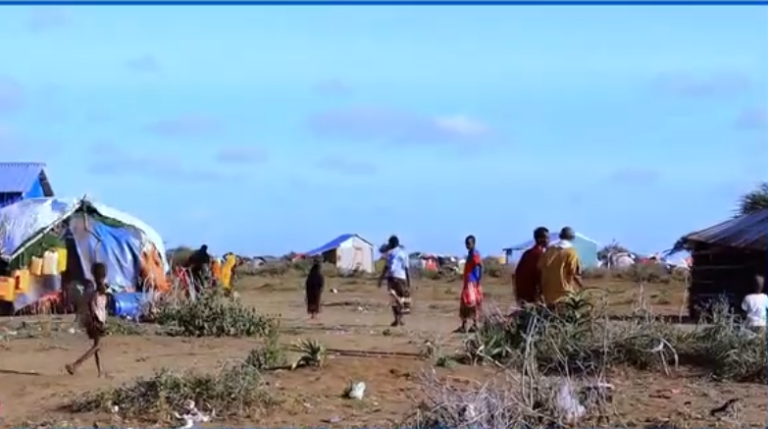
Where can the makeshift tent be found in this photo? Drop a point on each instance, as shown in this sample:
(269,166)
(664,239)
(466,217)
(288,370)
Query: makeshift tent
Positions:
(90,232)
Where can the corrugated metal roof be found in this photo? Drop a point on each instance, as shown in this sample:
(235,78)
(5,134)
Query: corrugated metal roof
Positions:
(748,232)
(334,244)
(19,176)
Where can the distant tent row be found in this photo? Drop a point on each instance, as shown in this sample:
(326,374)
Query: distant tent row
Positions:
(585,247)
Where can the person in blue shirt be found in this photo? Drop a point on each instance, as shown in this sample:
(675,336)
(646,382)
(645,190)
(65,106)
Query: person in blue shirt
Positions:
(398,279)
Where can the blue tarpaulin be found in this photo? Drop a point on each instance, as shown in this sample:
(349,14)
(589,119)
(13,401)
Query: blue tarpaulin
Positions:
(119,248)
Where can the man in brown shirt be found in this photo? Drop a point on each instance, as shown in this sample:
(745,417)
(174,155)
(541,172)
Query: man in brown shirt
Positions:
(527,275)
(93,318)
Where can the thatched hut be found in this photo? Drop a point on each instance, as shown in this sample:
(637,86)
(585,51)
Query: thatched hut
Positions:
(726,258)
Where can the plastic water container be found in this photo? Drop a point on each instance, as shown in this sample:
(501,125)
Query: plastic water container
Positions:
(22,280)
(36,266)
(7,289)
(61,259)
(50,263)
(126,304)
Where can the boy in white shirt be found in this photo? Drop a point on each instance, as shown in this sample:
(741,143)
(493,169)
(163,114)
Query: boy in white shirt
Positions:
(756,305)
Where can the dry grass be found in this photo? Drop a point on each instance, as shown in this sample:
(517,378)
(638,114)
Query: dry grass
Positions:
(543,358)
(554,366)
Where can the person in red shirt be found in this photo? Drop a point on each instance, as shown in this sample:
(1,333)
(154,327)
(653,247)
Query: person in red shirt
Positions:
(527,276)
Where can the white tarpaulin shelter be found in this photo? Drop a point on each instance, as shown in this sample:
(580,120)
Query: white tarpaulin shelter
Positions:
(26,219)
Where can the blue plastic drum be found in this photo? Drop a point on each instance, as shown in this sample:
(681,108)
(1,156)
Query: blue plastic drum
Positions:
(126,304)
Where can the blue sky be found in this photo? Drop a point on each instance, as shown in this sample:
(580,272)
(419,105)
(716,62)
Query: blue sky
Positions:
(270,129)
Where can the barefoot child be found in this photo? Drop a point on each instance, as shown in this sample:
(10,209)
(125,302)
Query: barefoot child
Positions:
(94,318)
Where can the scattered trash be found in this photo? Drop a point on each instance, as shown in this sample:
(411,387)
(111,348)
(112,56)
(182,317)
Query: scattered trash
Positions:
(356,390)
(567,404)
(334,290)
(468,413)
(191,416)
(334,419)
(727,409)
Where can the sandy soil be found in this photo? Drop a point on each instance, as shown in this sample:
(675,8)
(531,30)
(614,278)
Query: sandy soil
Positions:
(357,318)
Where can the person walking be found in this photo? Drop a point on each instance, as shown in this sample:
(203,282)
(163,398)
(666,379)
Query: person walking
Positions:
(471,300)
(199,264)
(93,318)
(527,276)
(398,279)
(560,269)
(314,288)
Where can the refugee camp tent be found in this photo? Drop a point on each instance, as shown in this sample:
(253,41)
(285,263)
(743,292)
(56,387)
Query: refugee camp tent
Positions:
(90,232)
(22,180)
(349,252)
(585,247)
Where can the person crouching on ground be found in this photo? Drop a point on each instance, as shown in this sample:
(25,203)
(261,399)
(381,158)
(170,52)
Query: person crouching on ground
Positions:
(398,279)
(756,305)
(314,288)
(94,318)
(471,300)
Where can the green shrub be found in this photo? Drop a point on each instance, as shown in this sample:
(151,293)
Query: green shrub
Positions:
(268,355)
(234,390)
(213,315)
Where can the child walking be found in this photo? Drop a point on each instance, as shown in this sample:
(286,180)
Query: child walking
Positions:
(93,318)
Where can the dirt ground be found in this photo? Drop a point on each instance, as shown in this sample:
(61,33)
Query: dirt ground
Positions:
(354,318)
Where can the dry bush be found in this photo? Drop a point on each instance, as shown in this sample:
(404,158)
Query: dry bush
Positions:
(515,401)
(299,268)
(272,269)
(729,350)
(559,360)
(579,339)
(492,267)
(446,274)
(638,273)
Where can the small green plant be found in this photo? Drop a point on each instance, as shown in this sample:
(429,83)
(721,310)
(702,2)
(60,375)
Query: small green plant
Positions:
(117,326)
(445,361)
(313,354)
(269,355)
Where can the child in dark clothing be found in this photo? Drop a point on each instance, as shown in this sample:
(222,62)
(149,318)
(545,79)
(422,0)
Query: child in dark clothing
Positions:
(314,288)
(93,317)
